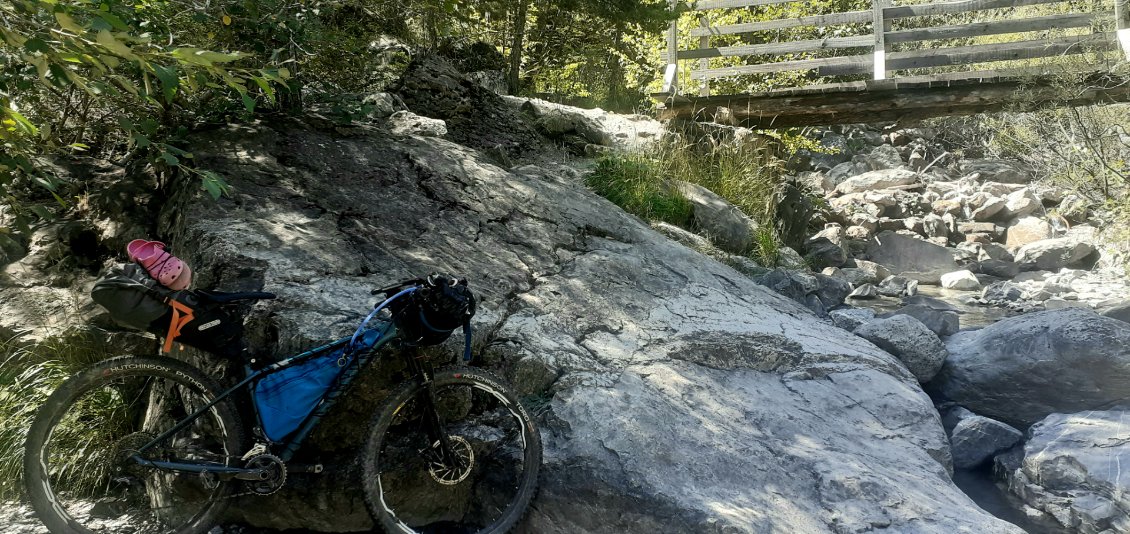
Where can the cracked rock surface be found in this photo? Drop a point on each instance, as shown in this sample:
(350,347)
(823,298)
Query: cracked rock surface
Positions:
(673,393)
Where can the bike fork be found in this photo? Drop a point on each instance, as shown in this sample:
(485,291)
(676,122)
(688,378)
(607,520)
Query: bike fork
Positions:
(432,420)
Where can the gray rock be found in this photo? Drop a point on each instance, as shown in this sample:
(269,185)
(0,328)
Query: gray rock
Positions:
(910,257)
(988,209)
(722,222)
(994,251)
(1020,204)
(850,319)
(381,105)
(882,179)
(1051,254)
(1023,368)
(836,175)
(952,415)
(884,157)
(893,286)
(975,440)
(999,268)
(1119,311)
(865,291)
(825,249)
(790,259)
(408,123)
(961,280)
(941,322)
(1007,172)
(934,226)
(1075,208)
(910,341)
(1072,469)
(1002,292)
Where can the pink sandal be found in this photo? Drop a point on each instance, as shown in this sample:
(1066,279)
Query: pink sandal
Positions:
(169,270)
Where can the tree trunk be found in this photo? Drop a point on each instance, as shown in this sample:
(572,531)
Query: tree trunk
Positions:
(615,70)
(516,47)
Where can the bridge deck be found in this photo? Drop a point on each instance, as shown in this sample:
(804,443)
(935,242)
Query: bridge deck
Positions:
(898,99)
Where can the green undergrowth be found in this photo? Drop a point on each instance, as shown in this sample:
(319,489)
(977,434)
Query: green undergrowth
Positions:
(644,183)
(29,372)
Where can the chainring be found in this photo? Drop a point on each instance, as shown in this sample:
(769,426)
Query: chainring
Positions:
(274,471)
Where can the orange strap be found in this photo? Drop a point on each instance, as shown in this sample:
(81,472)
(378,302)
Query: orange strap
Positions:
(176,324)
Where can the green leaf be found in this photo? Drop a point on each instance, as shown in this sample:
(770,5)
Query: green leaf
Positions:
(248,102)
(214,184)
(170,159)
(170,82)
(149,126)
(140,140)
(114,46)
(36,44)
(266,87)
(68,23)
(114,21)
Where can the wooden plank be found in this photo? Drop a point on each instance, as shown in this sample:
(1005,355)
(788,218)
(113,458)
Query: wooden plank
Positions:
(831,19)
(949,8)
(964,55)
(1074,20)
(671,73)
(704,63)
(1122,25)
(706,5)
(858,61)
(861,41)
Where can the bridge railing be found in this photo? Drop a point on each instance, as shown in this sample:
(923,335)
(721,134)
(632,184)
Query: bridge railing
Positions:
(871,53)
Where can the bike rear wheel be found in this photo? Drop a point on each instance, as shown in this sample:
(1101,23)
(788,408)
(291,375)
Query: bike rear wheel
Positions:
(409,487)
(79,462)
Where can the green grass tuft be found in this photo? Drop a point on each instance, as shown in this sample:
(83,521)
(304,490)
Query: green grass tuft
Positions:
(29,373)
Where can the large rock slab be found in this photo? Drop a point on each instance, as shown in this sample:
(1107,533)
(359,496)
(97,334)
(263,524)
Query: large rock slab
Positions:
(1073,469)
(1023,368)
(673,393)
(1052,254)
(908,339)
(910,257)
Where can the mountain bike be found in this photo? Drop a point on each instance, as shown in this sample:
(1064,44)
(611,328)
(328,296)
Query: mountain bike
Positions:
(154,445)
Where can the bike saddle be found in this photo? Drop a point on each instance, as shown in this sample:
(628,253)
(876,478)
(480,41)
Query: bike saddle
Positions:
(220,297)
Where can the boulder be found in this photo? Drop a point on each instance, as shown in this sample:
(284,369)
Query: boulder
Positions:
(988,209)
(408,123)
(636,349)
(1075,208)
(865,291)
(910,341)
(1000,292)
(381,105)
(1073,469)
(1020,204)
(1120,311)
(883,157)
(941,322)
(952,414)
(790,259)
(998,268)
(910,257)
(1027,230)
(825,249)
(849,319)
(934,226)
(975,440)
(962,280)
(1023,368)
(994,251)
(881,179)
(897,286)
(724,223)
(836,175)
(1051,254)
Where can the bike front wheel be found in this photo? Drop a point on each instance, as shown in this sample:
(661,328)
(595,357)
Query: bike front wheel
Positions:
(85,452)
(412,486)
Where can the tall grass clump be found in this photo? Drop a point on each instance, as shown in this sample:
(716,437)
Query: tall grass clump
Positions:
(633,182)
(29,373)
(745,173)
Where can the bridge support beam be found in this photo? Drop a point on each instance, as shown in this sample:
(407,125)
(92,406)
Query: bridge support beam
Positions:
(895,100)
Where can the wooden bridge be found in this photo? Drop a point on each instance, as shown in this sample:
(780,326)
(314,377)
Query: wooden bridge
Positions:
(897,60)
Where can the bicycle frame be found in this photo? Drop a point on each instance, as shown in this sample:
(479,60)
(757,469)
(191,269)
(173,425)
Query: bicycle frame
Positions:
(291,445)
